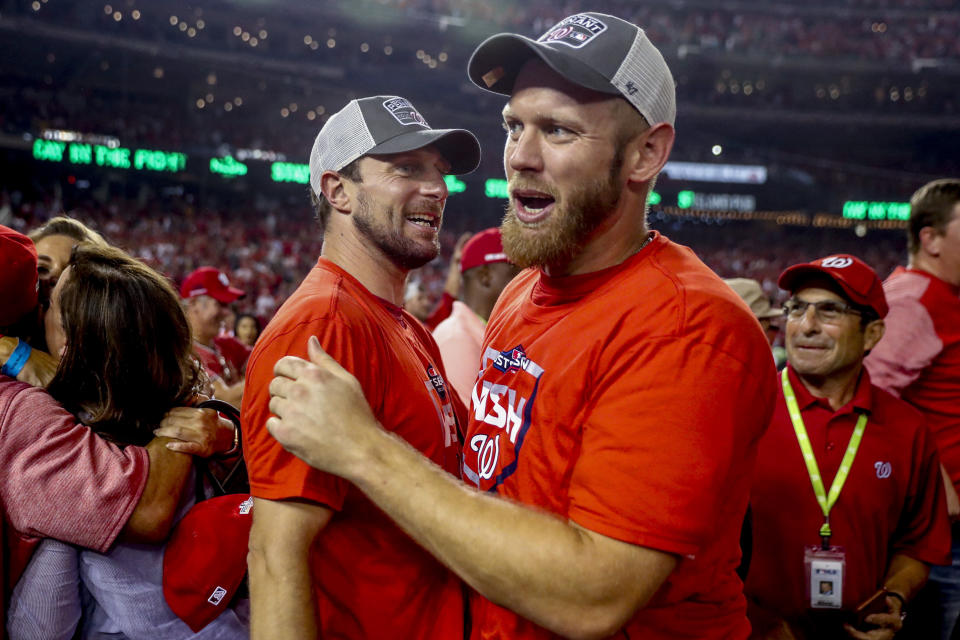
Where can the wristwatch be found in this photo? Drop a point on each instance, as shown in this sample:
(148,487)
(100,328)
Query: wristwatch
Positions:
(903,602)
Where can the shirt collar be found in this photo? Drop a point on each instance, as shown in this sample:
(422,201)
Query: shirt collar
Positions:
(862,401)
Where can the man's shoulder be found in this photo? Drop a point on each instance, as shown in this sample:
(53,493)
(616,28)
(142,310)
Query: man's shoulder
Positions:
(686,296)
(14,394)
(906,286)
(899,413)
(324,295)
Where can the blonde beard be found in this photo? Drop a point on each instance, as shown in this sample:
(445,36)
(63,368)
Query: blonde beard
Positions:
(562,237)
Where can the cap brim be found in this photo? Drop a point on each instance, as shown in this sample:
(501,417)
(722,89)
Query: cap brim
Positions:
(497,61)
(459,147)
(228,296)
(789,279)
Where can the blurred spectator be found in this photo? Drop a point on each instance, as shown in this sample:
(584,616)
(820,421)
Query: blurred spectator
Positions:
(206,293)
(750,292)
(485,271)
(919,359)
(884,521)
(246,328)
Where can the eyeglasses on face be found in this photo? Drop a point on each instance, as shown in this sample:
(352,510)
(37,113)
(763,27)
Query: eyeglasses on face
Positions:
(828,311)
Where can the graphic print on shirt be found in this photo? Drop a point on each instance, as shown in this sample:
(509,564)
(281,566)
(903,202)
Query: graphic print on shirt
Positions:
(501,404)
(437,389)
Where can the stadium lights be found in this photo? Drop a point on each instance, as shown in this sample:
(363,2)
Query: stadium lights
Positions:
(862,210)
(103,156)
(227,167)
(455,184)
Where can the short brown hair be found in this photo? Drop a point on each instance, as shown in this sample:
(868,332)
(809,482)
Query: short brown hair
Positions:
(129,355)
(931,206)
(321,206)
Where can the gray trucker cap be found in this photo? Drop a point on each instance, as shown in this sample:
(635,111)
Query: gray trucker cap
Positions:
(384,125)
(594,50)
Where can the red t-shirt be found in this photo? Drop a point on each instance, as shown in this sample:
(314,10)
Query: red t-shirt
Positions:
(233,350)
(224,360)
(892,502)
(371,580)
(630,401)
(919,355)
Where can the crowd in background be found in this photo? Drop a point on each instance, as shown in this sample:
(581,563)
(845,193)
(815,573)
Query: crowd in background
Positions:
(267,255)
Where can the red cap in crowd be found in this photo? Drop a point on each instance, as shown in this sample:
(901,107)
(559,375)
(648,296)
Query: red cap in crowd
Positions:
(208,281)
(206,558)
(857,280)
(18,275)
(485,247)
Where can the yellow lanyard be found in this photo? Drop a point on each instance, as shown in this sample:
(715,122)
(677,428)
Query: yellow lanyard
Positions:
(826,501)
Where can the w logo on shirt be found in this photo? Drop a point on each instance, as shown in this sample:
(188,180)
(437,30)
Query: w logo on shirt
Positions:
(884,469)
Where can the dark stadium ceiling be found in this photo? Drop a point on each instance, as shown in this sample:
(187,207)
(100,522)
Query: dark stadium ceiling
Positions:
(209,76)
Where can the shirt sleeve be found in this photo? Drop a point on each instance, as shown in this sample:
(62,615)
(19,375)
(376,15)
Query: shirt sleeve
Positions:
(60,480)
(923,531)
(670,422)
(909,344)
(276,474)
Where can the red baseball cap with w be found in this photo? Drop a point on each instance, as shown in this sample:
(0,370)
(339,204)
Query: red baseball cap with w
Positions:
(209,281)
(858,281)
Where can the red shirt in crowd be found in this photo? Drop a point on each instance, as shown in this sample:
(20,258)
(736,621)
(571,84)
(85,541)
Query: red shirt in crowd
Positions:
(892,502)
(919,356)
(629,401)
(370,579)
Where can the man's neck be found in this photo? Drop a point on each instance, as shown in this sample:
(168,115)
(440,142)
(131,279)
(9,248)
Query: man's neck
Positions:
(479,303)
(208,342)
(837,388)
(925,262)
(369,266)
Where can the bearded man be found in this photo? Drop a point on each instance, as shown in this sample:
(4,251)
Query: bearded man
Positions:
(320,552)
(623,386)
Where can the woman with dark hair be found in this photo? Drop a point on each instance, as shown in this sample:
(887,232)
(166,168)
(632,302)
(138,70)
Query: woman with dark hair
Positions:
(126,360)
(246,328)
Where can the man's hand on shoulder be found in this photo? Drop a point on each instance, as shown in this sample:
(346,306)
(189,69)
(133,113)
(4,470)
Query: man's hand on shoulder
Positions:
(320,412)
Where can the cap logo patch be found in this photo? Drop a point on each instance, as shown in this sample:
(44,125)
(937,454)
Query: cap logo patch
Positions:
(403,111)
(223,280)
(246,505)
(574,31)
(836,263)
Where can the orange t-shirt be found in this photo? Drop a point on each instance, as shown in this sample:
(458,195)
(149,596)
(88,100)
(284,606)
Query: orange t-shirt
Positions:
(371,580)
(629,401)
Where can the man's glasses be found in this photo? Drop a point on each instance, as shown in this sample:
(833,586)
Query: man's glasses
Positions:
(829,311)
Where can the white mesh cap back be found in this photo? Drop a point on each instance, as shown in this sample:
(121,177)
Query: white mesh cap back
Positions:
(344,138)
(645,81)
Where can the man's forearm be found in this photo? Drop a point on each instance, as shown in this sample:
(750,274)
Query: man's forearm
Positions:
(565,578)
(281,584)
(905,576)
(153,516)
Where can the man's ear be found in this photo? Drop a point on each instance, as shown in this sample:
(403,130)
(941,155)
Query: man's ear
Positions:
(483,275)
(333,188)
(646,154)
(872,334)
(930,240)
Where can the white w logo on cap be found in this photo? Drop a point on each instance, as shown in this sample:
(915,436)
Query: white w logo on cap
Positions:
(836,263)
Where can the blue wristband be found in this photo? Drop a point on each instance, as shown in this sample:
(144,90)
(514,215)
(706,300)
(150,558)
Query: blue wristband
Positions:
(17,360)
